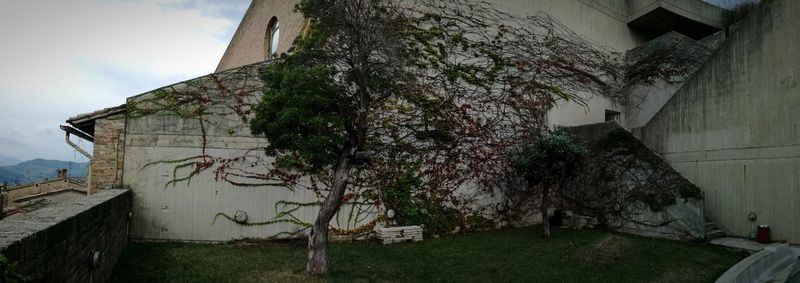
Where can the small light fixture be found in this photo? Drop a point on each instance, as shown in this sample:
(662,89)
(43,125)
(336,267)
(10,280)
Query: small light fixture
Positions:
(752,216)
(240,217)
(390,213)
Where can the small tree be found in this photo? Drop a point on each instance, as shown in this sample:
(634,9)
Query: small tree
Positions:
(546,164)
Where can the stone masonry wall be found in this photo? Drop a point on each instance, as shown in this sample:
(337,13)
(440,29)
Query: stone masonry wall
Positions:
(106,168)
(55,243)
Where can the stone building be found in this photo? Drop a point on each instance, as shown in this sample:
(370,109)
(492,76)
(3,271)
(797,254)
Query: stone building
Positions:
(730,127)
(29,196)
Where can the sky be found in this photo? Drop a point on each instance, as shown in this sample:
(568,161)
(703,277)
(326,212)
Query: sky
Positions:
(61,58)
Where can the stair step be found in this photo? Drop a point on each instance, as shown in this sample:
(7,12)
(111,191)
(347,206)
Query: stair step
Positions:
(715,234)
(711,226)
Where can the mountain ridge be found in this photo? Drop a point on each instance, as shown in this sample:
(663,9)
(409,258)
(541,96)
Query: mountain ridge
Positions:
(38,169)
(6,160)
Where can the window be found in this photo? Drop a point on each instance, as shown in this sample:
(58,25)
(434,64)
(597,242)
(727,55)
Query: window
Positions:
(272,38)
(612,116)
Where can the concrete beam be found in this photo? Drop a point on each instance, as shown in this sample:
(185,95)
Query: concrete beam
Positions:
(692,18)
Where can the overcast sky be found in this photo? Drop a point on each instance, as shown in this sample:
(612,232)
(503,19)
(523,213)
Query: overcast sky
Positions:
(60,58)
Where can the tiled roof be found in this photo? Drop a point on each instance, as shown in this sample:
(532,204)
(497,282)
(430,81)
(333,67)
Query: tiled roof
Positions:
(97,114)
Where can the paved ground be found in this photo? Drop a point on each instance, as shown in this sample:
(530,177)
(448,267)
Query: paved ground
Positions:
(739,243)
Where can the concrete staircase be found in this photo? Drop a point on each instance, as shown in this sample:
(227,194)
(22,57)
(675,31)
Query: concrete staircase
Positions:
(712,231)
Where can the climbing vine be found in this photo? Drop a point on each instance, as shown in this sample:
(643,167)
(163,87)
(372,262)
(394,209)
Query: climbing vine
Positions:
(624,178)
(219,105)
(8,272)
(458,85)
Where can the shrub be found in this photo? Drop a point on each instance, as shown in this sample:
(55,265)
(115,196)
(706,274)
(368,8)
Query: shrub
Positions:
(419,209)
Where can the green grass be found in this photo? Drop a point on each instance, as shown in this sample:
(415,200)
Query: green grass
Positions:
(515,255)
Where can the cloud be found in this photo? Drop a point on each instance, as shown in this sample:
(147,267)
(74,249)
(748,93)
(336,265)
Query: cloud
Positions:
(63,58)
(229,9)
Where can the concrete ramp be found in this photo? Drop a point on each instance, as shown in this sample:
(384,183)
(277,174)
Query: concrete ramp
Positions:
(775,263)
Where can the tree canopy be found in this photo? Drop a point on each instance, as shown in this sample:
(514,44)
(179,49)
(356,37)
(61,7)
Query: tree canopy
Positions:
(546,164)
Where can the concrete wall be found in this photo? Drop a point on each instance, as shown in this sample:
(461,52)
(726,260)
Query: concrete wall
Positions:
(165,147)
(699,11)
(54,244)
(602,22)
(186,211)
(107,162)
(647,99)
(189,210)
(733,128)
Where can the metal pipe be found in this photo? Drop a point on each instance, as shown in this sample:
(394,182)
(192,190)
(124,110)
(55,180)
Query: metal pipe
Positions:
(89,189)
(76,147)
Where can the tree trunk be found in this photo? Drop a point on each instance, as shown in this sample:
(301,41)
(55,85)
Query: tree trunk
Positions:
(318,239)
(545,216)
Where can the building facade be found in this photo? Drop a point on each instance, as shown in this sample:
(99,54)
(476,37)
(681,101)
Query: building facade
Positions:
(172,162)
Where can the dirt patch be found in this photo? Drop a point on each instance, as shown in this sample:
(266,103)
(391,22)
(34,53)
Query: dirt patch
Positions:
(604,251)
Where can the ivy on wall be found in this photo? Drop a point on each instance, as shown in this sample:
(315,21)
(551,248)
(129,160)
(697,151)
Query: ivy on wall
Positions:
(219,105)
(624,178)
(8,272)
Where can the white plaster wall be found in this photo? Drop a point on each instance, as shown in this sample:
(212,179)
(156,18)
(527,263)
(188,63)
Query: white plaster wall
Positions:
(186,211)
(602,23)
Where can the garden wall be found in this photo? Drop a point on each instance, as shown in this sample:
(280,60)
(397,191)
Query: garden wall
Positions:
(55,243)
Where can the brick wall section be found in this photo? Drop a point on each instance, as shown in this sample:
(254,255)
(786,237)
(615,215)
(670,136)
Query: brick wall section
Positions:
(54,243)
(107,158)
(248,45)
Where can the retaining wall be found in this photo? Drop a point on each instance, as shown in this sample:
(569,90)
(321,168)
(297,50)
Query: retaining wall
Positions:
(55,243)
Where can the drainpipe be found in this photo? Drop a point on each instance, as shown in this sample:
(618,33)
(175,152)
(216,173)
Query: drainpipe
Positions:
(82,152)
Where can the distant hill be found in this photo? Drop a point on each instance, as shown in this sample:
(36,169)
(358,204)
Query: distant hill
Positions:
(39,169)
(6,160)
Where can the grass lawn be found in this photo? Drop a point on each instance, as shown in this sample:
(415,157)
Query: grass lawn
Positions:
(588,255)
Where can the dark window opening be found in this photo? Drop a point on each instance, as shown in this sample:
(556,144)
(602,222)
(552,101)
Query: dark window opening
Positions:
(612,116)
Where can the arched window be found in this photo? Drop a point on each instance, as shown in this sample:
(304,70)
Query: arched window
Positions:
(272,38)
